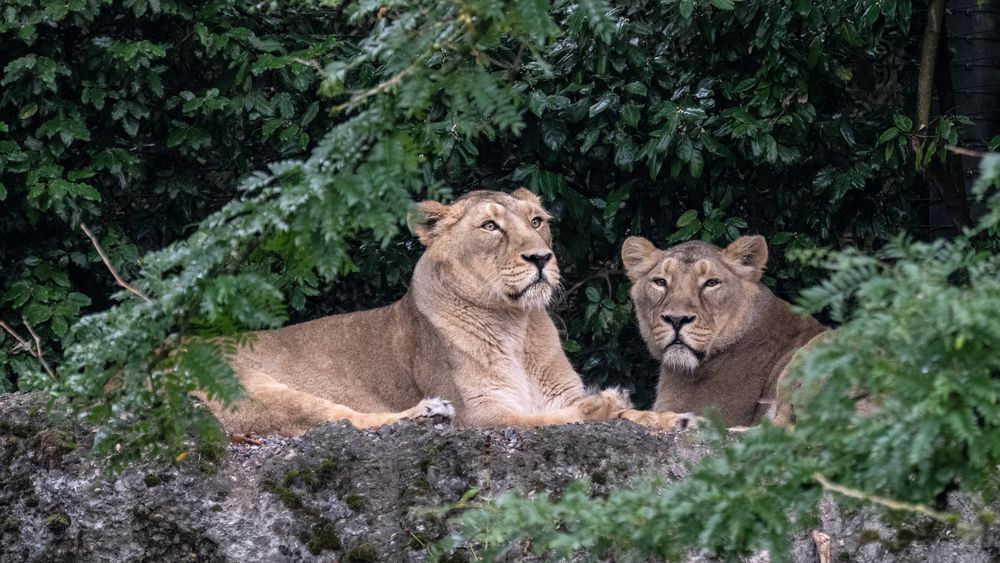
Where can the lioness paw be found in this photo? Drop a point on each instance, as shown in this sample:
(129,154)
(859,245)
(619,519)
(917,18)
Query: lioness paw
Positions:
(686,421)
(668,421)
(434,408)
(606,405)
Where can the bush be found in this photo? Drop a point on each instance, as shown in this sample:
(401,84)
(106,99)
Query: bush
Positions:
(136,118)
(921,326)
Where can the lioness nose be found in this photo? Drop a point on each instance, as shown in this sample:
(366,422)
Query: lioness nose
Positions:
(677,321)
(539,260)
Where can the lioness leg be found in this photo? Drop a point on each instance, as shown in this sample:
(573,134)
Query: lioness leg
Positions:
(604,405)
(271,407)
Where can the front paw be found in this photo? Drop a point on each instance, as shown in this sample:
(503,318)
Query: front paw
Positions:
(667,421)
(437,409)
(606,405)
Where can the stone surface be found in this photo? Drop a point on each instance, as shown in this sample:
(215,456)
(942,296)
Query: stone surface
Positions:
(340,494)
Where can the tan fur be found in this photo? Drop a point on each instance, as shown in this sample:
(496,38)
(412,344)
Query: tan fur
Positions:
(472,332)
(736,337)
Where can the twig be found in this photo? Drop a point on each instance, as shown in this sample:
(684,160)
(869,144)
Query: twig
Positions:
(964,151)
(107,262)
(308,62)
(38,348)
(244,439)
(604,273)
(945,517)
(22,342)
(358,98)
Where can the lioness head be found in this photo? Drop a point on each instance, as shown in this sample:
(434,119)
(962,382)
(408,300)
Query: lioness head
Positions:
(693,300)
(490,248)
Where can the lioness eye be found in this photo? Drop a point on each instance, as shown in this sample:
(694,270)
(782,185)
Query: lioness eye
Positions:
(660,282)
(536,222)
(490,225)
(712,282)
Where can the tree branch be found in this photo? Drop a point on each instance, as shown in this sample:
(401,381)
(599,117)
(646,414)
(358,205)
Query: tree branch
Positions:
(107,262)
(38,348)
(945,517)
(23,343)
(964,151)
(604,273)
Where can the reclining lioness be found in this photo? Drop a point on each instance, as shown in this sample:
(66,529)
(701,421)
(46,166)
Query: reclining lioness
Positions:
(723,339)
(470,339)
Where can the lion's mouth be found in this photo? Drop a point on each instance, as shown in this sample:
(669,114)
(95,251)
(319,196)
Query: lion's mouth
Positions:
(678,342)
(521,293)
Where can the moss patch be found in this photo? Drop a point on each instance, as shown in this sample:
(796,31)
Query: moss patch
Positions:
(57,522)
(51,445)
(285,495)
(363,553)
(313,479)
(211,449)
(11,523)
(320,537)
(355,502)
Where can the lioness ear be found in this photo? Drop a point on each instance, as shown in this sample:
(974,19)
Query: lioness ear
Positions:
(526,195)
(424,219)
(636,255)
(749,255)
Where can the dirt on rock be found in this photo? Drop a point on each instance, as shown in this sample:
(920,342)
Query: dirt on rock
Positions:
(341,494)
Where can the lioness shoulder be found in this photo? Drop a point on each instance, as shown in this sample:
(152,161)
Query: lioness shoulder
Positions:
(722,337)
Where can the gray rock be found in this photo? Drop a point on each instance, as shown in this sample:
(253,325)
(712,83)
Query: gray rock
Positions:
(343,494)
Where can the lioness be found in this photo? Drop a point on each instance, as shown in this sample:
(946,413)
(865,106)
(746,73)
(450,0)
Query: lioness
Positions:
(723,339)
(471,332)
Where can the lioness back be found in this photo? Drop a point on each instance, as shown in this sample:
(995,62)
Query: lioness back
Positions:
(349,357)
(722,338)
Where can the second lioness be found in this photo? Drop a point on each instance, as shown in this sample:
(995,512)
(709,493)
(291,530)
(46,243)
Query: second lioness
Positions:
(723,339)
(470,338)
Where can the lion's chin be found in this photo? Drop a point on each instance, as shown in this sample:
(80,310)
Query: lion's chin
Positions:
(678,357)
(533,297)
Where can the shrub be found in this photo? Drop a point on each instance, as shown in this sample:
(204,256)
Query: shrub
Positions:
(136,118)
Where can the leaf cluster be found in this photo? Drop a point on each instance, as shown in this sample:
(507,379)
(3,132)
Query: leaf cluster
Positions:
(136,118)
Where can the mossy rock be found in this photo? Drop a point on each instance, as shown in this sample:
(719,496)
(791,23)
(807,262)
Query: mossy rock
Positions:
(355,502)
(364,553)
(50,445)
(320,537)
(57,522)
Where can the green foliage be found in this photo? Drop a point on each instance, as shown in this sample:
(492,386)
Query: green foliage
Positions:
(675,120)
(921,326)
(137,118)
(132,367)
